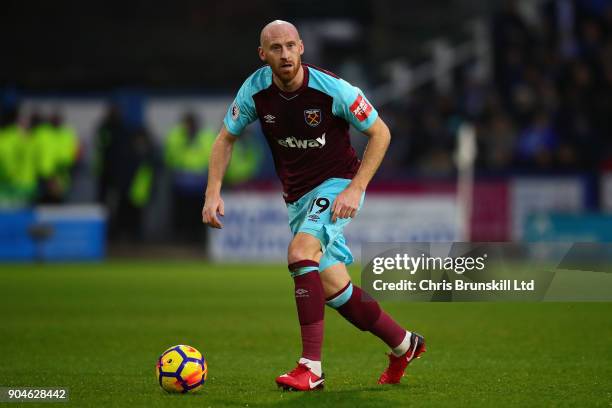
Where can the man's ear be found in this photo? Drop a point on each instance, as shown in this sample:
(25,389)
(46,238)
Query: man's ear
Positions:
(301,48)
(260,51)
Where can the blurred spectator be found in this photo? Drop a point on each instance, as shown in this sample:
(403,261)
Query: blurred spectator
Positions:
(246,158)
(56,150)
(26,166)
(437,160)
(110,136)
(538,142)
(186,154)
(512,42)
(17,171)
(496,140)
(126,161)
(137,186)
(548,106)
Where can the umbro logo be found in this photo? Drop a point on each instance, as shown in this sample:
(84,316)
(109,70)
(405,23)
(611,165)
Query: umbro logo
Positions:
(270,118)
(313,217)
(301,292)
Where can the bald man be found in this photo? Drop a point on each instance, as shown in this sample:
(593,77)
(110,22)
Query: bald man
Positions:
(305,113)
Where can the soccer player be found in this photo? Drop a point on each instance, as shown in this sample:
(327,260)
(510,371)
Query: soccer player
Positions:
(305,113)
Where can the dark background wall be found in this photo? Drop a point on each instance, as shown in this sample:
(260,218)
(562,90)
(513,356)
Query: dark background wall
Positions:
(96,45)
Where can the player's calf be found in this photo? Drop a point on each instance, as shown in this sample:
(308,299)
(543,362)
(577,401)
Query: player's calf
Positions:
(310,302)
(365,313)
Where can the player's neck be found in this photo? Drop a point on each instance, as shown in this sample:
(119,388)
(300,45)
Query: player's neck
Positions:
(292,85)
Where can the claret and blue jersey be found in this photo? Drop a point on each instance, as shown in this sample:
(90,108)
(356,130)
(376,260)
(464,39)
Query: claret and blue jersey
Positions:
(308,129)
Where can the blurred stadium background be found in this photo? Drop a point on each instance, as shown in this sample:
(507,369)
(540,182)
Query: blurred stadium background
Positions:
(501,119)
(108,113)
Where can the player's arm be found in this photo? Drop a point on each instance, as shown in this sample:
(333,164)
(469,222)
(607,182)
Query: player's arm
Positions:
(347,202)
(239,114)
(219,160)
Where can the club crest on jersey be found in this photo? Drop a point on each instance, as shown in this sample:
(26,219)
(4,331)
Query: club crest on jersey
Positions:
(312,117)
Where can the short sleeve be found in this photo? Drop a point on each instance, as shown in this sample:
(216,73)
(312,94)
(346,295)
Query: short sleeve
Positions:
(351,104)
(241,112)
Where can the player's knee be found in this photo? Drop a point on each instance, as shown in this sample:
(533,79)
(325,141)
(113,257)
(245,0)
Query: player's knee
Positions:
(299,268)
(299,251)
(297,254)
(335,279)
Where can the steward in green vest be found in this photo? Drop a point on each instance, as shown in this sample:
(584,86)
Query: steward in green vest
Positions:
(186,153)
(246,158)
(137,170)
(17,163)
(188,148)
(56,149)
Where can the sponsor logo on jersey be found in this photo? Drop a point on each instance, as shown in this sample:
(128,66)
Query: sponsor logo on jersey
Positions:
(361,108)
(312,117)
(291,141)
(270,118)
(235,111)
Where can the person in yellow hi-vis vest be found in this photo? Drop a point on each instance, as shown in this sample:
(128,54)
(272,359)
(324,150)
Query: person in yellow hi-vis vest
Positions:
(67,151)
(246,158)
(186,152)
(56,150)
(188,147)
(18,183)
(10,132)
(136,187)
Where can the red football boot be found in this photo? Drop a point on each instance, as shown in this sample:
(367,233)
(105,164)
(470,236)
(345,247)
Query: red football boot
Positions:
(397,365)
(300,379)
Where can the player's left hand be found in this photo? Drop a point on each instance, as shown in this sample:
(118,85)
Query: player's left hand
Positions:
(346,203)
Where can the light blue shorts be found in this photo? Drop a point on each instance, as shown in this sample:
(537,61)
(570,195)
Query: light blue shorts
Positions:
(312,213)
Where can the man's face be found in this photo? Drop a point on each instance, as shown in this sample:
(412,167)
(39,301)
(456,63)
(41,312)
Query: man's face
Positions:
(282,49)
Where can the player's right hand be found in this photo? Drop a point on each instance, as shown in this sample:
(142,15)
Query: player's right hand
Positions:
(213,206)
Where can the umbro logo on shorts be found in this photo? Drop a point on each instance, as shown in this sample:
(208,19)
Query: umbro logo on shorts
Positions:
(314,217)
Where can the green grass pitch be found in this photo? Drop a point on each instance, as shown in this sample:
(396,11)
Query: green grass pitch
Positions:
(98,329)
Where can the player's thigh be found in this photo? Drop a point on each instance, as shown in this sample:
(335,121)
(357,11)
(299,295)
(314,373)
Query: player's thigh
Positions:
(334,279)
(304,246)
